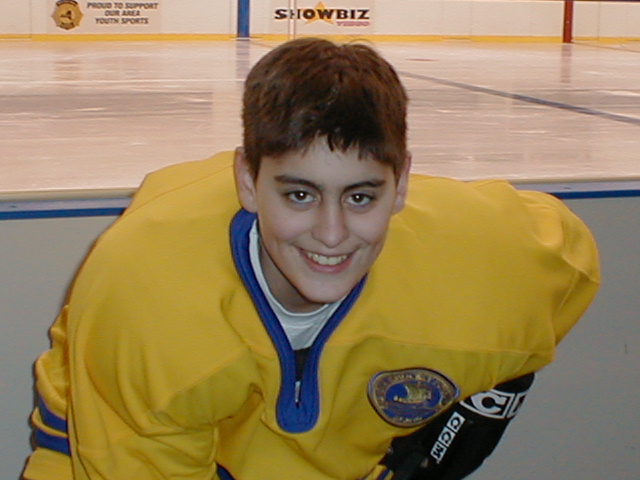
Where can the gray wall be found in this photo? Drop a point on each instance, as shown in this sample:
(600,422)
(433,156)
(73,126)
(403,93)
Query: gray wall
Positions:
(580,421)
(38,260)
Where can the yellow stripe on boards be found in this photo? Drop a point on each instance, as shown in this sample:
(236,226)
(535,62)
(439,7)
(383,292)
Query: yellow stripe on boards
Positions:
(172,37)
(141,37)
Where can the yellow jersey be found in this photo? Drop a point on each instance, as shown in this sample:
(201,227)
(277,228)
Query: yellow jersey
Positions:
(167,362)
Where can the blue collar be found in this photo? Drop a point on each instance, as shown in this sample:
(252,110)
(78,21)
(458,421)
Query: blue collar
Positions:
(294,414)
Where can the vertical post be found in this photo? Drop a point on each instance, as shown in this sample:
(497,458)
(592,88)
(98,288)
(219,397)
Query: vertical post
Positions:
(243,19)
(567,28)
(292,25)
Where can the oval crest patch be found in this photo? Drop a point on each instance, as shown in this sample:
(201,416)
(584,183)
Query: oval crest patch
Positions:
(408,398)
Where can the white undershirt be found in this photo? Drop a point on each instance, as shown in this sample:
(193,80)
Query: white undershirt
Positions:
(300,328)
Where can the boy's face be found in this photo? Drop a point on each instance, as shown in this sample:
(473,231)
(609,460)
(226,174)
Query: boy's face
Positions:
(323,216)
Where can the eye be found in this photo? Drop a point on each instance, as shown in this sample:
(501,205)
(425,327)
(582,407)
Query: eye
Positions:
(299,196)
(360,199)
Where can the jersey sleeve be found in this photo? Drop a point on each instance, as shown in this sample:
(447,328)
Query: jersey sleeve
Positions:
(565,234)
(115,441)
(50,459)
(150,386)
(151,354)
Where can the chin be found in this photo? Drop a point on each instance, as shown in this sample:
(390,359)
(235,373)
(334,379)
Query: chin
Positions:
(315,296)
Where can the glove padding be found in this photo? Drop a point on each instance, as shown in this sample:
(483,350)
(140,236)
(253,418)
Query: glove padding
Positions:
(457,442)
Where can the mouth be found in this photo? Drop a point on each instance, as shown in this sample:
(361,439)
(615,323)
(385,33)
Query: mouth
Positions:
(326,260)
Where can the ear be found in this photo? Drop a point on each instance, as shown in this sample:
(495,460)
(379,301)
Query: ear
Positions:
(245,183)
(403,185)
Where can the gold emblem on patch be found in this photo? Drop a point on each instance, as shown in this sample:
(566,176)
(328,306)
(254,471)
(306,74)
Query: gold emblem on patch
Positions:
(67,14)
(408,398)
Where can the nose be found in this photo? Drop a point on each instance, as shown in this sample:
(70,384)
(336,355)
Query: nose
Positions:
(330,227)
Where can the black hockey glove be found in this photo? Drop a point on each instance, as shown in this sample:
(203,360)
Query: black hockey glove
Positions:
(456,442)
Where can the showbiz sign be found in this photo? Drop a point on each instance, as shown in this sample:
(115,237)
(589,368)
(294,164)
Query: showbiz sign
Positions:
(356,17)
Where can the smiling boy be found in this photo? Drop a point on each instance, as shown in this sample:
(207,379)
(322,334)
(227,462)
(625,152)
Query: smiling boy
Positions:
(297,325)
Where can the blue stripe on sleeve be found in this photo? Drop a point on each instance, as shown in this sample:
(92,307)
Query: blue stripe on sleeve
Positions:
(50,419)
(57,444)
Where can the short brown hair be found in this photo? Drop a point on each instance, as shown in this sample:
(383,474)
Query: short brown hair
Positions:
(309,88)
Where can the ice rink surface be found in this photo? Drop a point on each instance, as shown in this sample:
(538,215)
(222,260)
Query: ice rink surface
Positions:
(91,119)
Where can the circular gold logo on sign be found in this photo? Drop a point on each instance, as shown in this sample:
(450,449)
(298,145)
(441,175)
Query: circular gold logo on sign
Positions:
(67,14)
(408,398)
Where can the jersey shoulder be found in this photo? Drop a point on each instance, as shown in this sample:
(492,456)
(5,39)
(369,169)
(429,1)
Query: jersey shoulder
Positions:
(187,180)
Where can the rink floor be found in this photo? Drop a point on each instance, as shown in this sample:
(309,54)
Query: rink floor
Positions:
(90,119)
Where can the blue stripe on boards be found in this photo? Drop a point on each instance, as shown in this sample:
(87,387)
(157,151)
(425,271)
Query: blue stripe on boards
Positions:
(24,210)
(98,207)
(575,190)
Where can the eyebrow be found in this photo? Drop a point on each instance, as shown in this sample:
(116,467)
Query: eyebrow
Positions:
(290,179)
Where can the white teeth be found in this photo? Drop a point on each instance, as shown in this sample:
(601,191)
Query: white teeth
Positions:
(327,261)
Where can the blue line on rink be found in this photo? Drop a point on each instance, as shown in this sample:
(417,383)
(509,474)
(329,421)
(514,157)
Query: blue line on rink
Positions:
(528,99)
(105,207)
